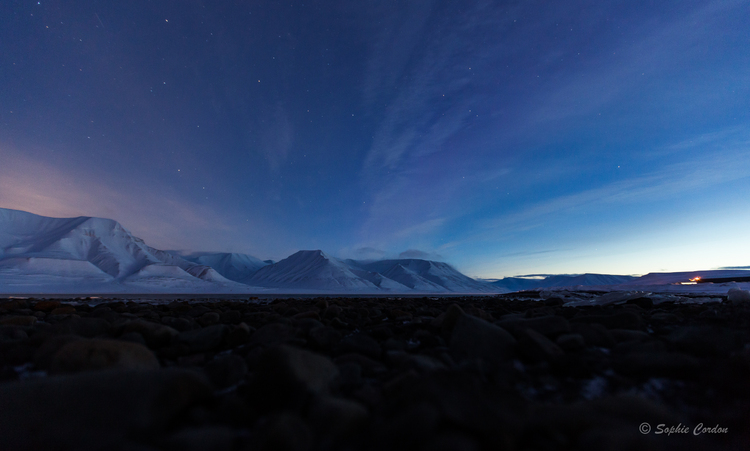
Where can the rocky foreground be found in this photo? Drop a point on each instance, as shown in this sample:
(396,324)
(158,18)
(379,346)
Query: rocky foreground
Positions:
(504,372)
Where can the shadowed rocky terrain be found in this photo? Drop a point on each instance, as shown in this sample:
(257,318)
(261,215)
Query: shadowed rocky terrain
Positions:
(465,373)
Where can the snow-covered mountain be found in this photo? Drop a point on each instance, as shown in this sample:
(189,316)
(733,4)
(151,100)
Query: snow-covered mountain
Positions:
(562,280)
(426,275)
(233,266)
(44,253)
(317,271)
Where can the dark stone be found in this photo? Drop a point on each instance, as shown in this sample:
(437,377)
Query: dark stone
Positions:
(274,334)
(535,347)
(619,319)
(449,320)
(369,366)
(284,432)
(658,364)
(571,342)
(642,302)
(285,377)
(324,338)
(231,317)
(98,354)
(203,339)
(155,334)
(594,334)
(93,411)
(205,438)
(85,327)
(226,371)
(475,338)
(209,319)
(179,324)
(550,326)
(704,340)
(360,343)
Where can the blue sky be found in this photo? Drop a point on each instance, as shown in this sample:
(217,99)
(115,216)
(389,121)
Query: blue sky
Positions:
(503,137)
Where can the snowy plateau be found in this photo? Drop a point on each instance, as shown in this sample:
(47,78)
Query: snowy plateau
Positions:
(85,255)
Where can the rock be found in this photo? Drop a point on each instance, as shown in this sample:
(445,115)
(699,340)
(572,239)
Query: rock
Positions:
(85,327)
(205,438)
(550,326)
(658,364)
(360,343)
(12,332)
(273,334)
(286,377)
(337,418)
(474,338)
(307,315)
(93,411)
(63,310)
(46,352)
(619,319)
(703,340)
(46,306)
(98,354)
(449,320)
(333,311)
(226,371)
(284,432)
(535,347)
(738,295)
(203,339)
(621,335)
(231,317)
(571,342)
(17,320)
(179,324)
(643,302)
(324,338)
(238,335)
(350,376)
(422,363)
(594,334)
(155,334)
(209,319)
(369,366)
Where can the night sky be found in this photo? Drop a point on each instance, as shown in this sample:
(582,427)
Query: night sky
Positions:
(505,138)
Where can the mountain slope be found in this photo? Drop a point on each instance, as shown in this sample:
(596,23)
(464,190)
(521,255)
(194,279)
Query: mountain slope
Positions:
(427,275)
(233,266)
(311,270)
(87,250)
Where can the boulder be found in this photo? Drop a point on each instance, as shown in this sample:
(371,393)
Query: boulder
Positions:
(155,334)
(203,339)
(473,338)
(738,295)
(550,326)
(286,377)
(99,354)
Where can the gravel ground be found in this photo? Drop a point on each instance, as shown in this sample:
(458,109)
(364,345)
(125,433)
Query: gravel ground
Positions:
(462,373)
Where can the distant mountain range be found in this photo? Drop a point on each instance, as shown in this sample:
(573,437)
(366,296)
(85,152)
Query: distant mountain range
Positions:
(39,254)
(82,255)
